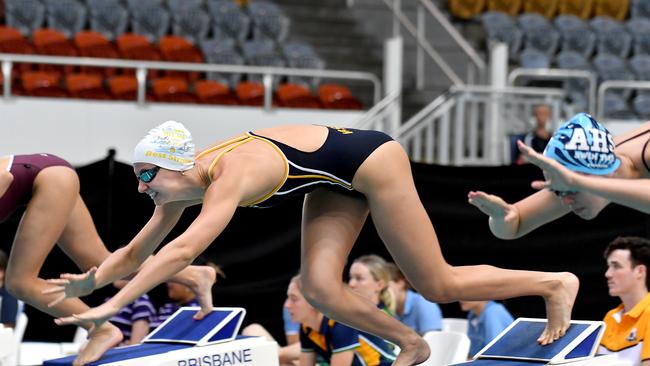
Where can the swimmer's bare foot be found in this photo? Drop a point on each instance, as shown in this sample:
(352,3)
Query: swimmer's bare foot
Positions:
(203,277)
(99,341)
(413,355)
(558,307)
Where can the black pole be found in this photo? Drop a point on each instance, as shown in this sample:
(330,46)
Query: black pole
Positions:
(110,159)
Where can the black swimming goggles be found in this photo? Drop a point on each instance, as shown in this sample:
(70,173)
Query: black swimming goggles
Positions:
(147,175)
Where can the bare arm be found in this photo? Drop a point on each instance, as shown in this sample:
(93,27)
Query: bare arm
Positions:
(342,358)
(511,221)
(307,359)
(139,330)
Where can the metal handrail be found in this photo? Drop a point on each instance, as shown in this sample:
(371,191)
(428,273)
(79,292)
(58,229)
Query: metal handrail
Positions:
(559,74)
(616,84)
(433,54)
(377,110)
(141,68)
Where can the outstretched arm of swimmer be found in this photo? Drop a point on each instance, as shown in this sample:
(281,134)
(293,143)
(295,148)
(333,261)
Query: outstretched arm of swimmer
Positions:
(633,193)
(124,261)
(220,202)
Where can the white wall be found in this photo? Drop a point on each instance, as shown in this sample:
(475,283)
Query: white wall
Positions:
(83,131)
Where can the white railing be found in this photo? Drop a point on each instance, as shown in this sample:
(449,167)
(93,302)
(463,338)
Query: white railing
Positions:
(141,67)
(383,116)
(471,125)
(560,75)
(616,84)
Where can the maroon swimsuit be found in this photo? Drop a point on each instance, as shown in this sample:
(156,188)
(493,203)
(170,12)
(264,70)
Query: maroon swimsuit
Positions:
(25,168)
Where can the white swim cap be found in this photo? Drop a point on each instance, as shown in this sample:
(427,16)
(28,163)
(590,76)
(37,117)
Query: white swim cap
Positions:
(168,145)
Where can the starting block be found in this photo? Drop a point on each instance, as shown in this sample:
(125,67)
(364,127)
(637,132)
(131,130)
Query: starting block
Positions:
(183,341)
(517,346)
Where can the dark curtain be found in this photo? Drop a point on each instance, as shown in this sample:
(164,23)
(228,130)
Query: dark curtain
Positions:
(260,249)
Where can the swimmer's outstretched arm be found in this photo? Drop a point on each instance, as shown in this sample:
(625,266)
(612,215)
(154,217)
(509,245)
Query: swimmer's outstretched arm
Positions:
(633,193)
(220,202)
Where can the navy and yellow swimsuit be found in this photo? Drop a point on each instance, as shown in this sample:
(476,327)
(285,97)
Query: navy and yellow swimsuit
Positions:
(333,165)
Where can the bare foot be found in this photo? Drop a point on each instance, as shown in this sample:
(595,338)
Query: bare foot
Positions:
(99,341)
(203,277)
(558,307)
(414,355)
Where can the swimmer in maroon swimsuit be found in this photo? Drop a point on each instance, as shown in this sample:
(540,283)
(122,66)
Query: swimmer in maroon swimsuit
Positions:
(49,188)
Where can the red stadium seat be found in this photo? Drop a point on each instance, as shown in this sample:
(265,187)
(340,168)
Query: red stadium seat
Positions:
(86,86)
(95,44)
(212,92)
(42,84)
(12,41)
(334,96)
(547,8)
(616,9)
(54,43)
(250,93)
(123,87)
(466,9)
(178,49)
(510,7)
(580,8)
(174,90)
(137,47)
(296,96)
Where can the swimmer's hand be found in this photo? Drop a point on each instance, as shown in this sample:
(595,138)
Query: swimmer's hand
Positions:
(489,204)
(97,316)
(71,285)
(558,177)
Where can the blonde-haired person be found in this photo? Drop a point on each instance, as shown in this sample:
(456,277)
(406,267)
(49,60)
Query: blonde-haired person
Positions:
(47,187)
(320,337)
(344,174)
(411,308)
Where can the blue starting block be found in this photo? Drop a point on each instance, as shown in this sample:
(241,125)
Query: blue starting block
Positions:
(183,341)
(517,346)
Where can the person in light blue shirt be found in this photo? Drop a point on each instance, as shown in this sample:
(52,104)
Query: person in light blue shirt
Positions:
(485,321)
(411,308)
(291,328)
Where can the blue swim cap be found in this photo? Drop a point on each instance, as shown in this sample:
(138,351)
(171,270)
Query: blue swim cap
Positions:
(583,145)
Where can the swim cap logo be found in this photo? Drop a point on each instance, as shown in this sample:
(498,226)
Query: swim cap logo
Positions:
(594,146)
(168,145)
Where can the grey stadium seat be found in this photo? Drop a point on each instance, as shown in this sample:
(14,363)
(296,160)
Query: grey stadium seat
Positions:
(229,20)
(150,21)
(268,21)
(24,15)
(500,27)
(66,16)
(108,17)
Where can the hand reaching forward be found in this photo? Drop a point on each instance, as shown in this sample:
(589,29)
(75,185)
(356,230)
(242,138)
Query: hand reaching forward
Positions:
(558,177)
(97,316)
(71,285)
(489,204)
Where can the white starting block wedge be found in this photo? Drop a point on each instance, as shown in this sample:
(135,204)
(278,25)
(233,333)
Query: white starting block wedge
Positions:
(183,341)
(517,346)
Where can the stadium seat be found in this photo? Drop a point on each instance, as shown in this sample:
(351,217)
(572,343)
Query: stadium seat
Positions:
(333,96)
(135,5)
(302,56)
(640,66)
(172,90)
(640,9)
(269,22)
(123,87)
(54,43)
(66,16)
(501,27)
(580,8)
(24,15)
(531,58)
(191,23)
(576,35)
(616,9)
(180,5)
(539,34)
(12,41)
(213,92)
(86,86)
(612,37)
(250,93)
(222,52)
(95,44)
(611,67)
(641,105)
(262,52)
(137,47)
(639,28)
(296,96)
(615,106)
(108,17)
(178,49)
(42,84)
(149,20)
(546,8)
(466,9)
(229,20)
(510,7)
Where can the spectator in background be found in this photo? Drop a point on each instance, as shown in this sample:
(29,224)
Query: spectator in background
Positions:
(8,303)
(627,329)
(412,308)
(538,137)
(134,320)
(486,319)
(180,295)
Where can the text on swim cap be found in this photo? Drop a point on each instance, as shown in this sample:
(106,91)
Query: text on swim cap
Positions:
(601,141)
(161,155)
